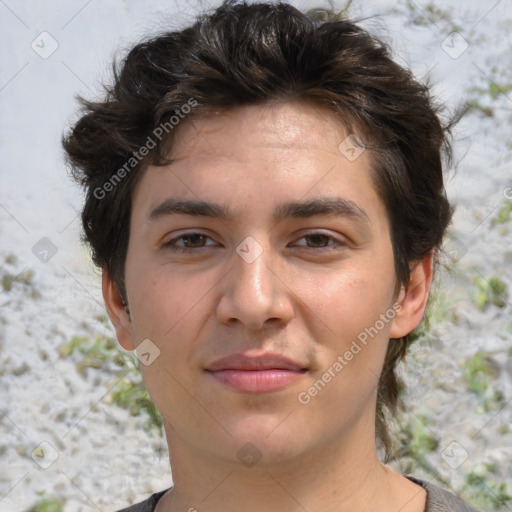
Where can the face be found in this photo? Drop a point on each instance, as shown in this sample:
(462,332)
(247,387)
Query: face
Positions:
(260,266)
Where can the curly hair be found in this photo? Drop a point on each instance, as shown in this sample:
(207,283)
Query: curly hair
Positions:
(249,54)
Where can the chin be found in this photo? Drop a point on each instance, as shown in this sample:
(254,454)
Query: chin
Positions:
(271,438)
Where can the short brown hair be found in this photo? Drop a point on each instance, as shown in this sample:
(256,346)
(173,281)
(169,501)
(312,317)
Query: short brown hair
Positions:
(248,54)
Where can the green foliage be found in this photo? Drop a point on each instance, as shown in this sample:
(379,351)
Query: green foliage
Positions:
(416,440)
(493,291)
(476,106)
(129,393)
(9,279)
(504,213)
(47,504)
(486,493)
(11,259)
(429,14)
(422,441)
(436,314)
(491,92)
(98,352)
(493,89)
(478,373)
(132,395)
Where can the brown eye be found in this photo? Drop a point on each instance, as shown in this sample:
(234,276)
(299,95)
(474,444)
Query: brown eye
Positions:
(189,241)
(193,241)
(318,240)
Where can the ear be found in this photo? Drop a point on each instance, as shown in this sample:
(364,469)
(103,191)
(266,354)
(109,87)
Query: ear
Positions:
(413,299)
(116,312)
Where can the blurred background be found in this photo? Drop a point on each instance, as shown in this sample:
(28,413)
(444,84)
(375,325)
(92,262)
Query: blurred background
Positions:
(77,429)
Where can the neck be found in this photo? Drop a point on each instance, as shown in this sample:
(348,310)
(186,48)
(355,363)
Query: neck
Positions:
(336,477)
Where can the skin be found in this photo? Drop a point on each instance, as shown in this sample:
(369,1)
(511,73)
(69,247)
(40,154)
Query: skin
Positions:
(305,297)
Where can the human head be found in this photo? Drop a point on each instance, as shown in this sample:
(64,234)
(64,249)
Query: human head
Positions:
(256,54)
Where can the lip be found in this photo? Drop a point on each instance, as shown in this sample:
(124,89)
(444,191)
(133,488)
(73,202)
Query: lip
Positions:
(256,374)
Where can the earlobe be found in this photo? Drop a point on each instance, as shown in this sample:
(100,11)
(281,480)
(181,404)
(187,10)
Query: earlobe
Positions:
(118,312)
(413,299)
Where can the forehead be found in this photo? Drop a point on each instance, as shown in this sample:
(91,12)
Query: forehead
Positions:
(295,126)
(268,154)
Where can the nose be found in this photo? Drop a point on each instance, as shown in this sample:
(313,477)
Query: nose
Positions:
(254,293)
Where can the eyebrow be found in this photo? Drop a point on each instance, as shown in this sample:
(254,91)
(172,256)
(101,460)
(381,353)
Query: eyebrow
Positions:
(320,206)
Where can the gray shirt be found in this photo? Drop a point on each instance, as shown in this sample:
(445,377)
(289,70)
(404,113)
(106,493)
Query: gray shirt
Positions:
(438,500)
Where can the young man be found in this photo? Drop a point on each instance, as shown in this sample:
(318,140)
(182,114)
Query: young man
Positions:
(265,198)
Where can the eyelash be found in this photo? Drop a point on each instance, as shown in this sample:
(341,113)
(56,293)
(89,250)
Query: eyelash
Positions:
(171,244)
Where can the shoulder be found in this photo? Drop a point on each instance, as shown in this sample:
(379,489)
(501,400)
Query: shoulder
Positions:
(441,500)
(148,505)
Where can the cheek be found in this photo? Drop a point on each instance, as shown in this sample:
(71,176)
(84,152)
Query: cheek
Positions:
(170,310)
(158,300)
(351,343)
(351,338)
(345,302)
